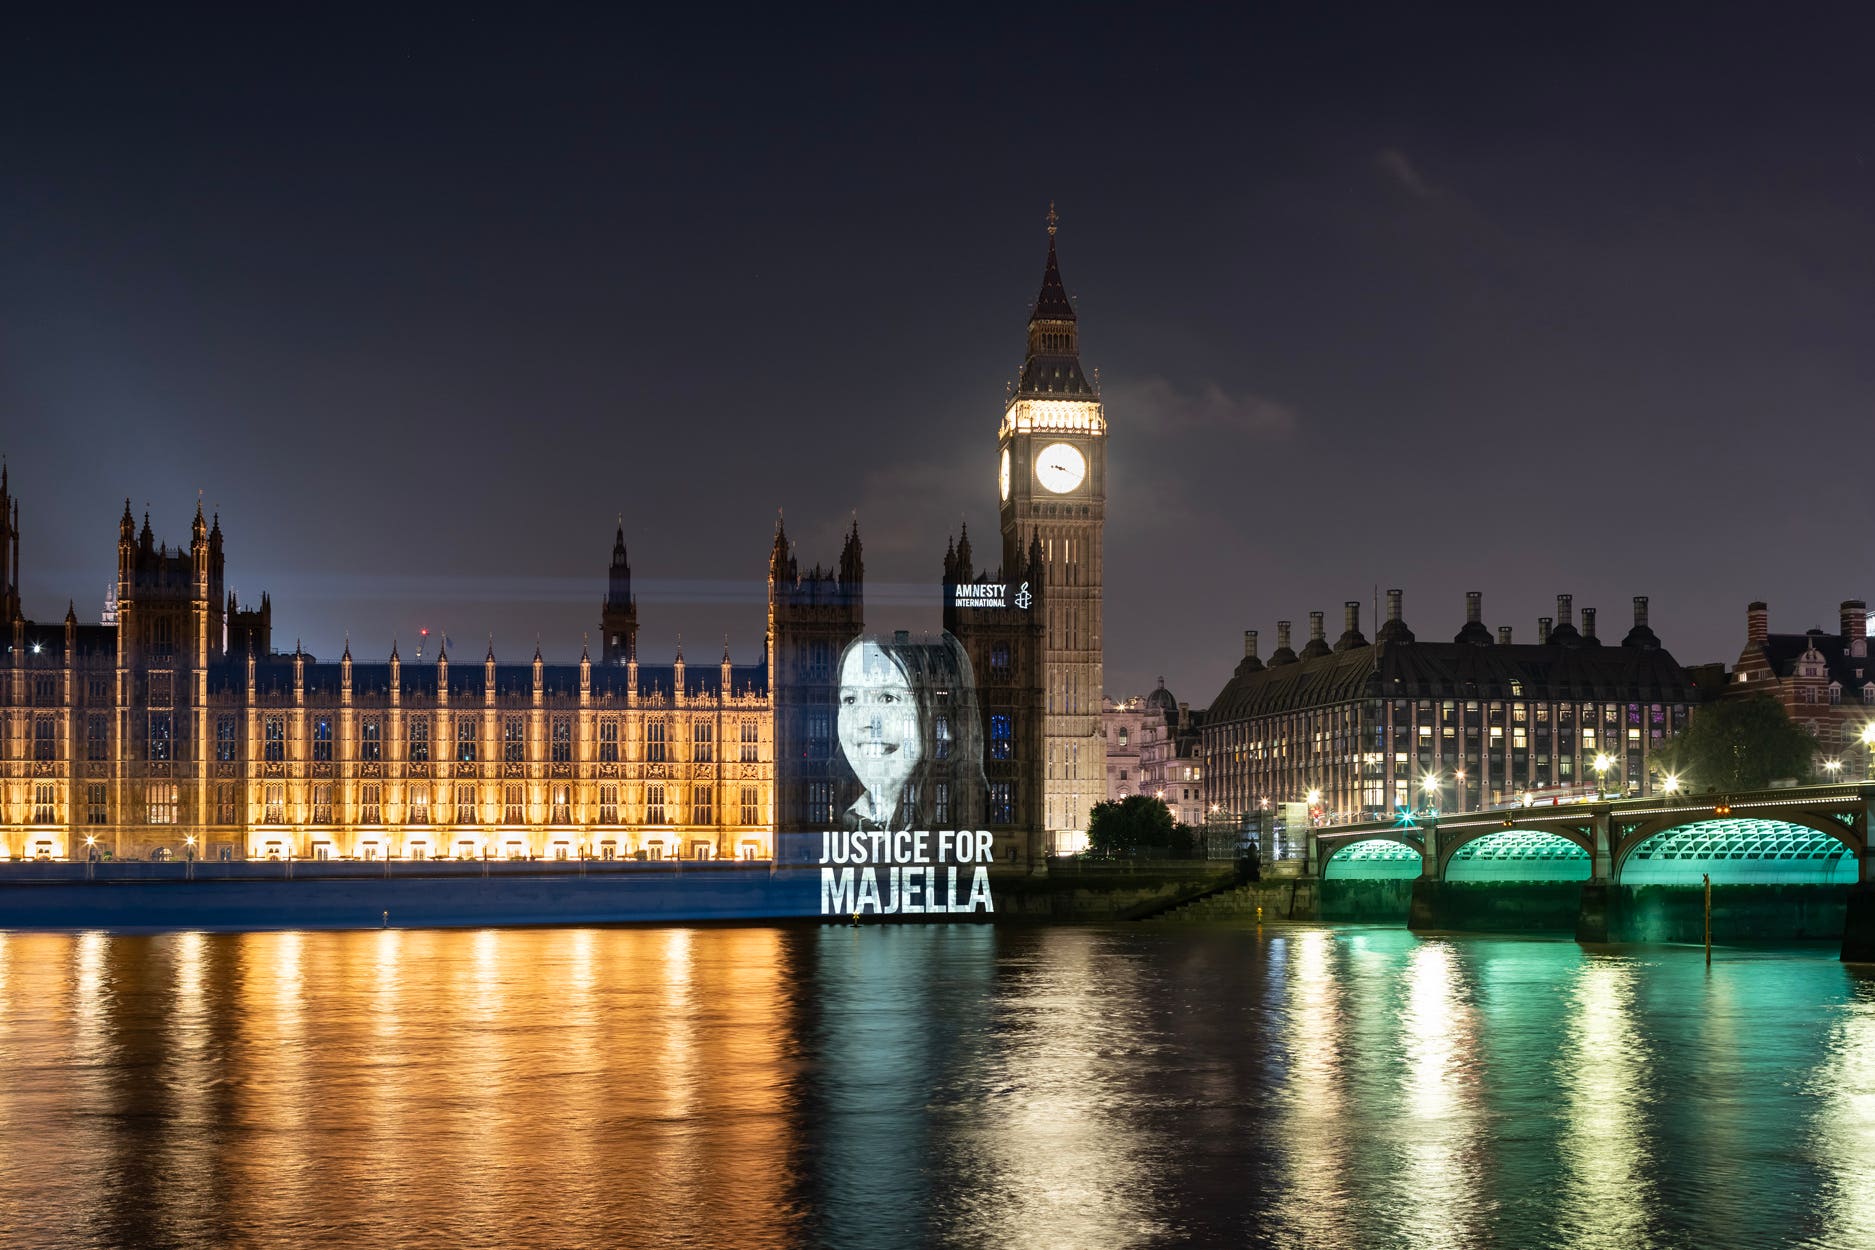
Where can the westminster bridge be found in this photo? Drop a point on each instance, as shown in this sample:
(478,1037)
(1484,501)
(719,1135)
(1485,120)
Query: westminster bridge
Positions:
(1791,862)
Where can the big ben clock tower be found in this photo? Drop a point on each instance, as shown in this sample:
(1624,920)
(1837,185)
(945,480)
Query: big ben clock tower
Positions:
(1052,477)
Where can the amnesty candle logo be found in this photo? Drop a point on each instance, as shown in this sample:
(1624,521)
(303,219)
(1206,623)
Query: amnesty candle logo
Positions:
(904,872)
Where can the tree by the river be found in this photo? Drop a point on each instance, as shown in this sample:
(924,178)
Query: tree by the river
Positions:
(1739,744)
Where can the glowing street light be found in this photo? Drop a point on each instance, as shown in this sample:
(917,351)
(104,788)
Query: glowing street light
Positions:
(1603,763)
(1672,784)
(1832,767)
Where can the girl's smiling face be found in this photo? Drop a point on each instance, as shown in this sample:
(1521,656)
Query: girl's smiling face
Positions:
(878,720)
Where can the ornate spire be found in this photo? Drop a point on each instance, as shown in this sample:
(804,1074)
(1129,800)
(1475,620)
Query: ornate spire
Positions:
(1053,367)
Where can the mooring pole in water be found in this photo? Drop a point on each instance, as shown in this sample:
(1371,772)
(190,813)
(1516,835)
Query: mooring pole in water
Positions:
(1707,878)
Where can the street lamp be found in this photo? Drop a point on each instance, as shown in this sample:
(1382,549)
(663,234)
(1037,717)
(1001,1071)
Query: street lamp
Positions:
(1602,764)
(1672,784)
(1458,790)
(1429,786)
(1833,768)
(1868,740)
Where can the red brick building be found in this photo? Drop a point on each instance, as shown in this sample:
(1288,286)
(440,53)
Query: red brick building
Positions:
(1824,681)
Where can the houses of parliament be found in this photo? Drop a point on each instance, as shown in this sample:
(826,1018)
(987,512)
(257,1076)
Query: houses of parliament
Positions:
(175,728)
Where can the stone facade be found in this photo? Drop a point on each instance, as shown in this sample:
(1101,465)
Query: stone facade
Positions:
(1052,480)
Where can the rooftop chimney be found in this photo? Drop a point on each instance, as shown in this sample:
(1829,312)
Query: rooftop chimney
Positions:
(1503,635)
(1588,625)
(1542,630)
(1318,639)
(1757,624)
(1351,633)
(1283,653)
(1855,627)
(1250,644)
(1395,629)
(1565,615)
(1640,635)
(1474,631)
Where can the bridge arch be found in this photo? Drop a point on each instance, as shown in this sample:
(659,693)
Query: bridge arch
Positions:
(1372,857)
(1527,853)
(1794,848)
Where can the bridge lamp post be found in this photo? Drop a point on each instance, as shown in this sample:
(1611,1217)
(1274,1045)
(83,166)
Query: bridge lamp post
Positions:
(1429,786)
(1833,768)
(1602,764)
(1868,740)
(1672,783)
(1314,799)
(1458,791)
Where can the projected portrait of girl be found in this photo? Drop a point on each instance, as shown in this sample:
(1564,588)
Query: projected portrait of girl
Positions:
(910,729)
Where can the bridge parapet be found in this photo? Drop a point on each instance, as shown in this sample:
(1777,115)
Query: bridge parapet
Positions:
(1609,831)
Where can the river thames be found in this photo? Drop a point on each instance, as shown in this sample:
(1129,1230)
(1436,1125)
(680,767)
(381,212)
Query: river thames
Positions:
(928,1086)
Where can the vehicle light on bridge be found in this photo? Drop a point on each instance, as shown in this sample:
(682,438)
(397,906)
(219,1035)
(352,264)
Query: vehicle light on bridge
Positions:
(1721,808)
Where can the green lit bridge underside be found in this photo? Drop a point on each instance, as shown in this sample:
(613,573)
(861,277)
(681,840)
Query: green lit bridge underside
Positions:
(1731,850)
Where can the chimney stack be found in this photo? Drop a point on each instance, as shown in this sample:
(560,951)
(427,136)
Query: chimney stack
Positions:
(1474,606)
(1588,624)
(1565,615)
(1393,605)
(1542,630)
(1757,624)
(1640,611)
(1503,635)
(1855,627)
(1315,628)
(1282,635)
(1250,644)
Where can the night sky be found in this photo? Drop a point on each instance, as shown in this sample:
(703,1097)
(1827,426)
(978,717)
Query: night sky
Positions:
(1525,301)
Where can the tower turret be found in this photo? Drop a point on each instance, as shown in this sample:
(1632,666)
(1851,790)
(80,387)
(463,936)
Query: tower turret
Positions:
(618,618)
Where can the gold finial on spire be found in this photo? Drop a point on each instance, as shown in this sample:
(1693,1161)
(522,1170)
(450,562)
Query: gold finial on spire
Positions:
(1054,219)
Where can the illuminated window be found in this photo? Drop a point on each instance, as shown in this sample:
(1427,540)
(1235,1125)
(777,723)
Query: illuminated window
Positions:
(942,800)
(702,805)
(513,803)
(654,804)
(97,807)
(608,740)
(562,742)
(371,803)
(322,739)
(1002,802)
(751,806)
(999,658)
(419,739)
(224,739)
(46,812)
(513,740)
(46,742)
(1002,736)
(370,739)
(942,734)
(275,805)
(465,803)
(465,742)
(419,805)
(322,803)
(703,742)
(98,737)
(1122,735)
(608,804)
(562,810)
(751,743)
(161,742)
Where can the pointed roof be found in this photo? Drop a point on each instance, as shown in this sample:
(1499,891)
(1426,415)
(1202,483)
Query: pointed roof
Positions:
(1052,304)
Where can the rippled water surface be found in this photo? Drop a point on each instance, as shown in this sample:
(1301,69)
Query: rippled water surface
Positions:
(965,1086)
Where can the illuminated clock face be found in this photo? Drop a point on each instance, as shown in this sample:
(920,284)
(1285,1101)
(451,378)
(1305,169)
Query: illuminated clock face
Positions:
(1002,475)
(1060,467)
